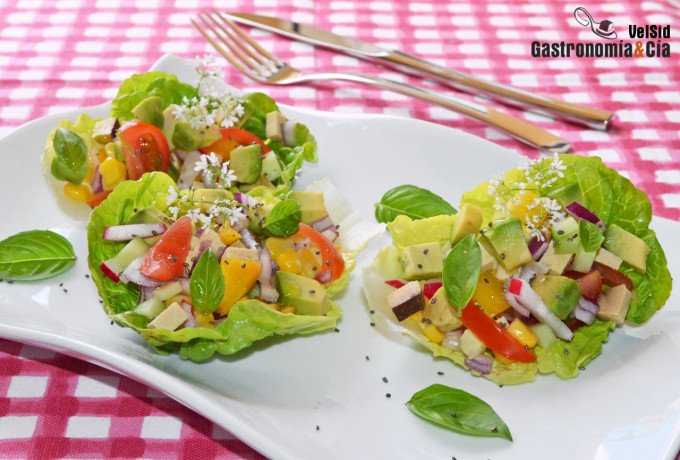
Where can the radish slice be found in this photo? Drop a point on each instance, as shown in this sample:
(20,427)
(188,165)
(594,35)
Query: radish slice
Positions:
(323,224)
(529,299)
(128,232)
(133,274)
(288,132)
(586,311)
(112,270)
(429,289)
(482,364)
(518,307)
(579,211)
(268,292)
(395,283)
(324,277)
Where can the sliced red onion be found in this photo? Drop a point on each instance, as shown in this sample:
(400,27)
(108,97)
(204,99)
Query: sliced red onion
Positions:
(324,277)
(188,309)
(288,132)
(146,292)
(133,274)
(245,199)
(323,223)
(304,244)
(529,299)
(187,174)
(128,232)
(586,310)
(482,363)
(268,292)
(220,252)
(181,154)
(248,239)
(538,247)
(330,234)
(451,339)
(97,183)
(579,211)
(185,282)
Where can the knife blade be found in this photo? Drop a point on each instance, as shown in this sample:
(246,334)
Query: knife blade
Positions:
(575,113)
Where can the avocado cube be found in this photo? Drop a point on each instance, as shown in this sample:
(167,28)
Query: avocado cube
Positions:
(468,221)
(565,236)
(273,122)
(471,345)
(312,207)
(105,130)
(422,261)
(583,261)
(246,162)
(184,137)
(557,262)
(627,246)
(150,111)
(559,293)
(148,215)
(505,240)
(307,295)
(441,313)
(271,168)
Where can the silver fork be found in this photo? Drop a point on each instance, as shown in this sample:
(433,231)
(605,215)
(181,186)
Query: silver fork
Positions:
(260,65)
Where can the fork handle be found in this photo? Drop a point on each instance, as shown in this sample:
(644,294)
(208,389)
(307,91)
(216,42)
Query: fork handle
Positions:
(519,129)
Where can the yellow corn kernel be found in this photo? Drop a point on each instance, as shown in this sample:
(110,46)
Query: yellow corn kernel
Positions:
(289,262)
(278,246)
(228,235)
(288,309)
(489,294)
(522,333)
(502,358)
(113,172)
(310,262)
(80,192)
(430,331)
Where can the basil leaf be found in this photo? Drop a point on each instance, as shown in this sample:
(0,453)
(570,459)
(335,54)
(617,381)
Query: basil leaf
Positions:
(71,163)
(207,283)
(35,255)
(284,219)
(459,411)
(591,236)
(461,271)
(411,201)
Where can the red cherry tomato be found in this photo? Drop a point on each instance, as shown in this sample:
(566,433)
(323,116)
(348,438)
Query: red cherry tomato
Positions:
(612,277)
(96,199)
(493,335)
(166,258)
(232,138)
(332,259)
(145,148)
(590,283)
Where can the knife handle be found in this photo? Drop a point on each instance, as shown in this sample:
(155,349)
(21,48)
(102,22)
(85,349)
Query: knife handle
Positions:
(519,129)
(581,114)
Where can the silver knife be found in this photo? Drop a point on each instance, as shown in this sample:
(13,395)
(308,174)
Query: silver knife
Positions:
(588,116)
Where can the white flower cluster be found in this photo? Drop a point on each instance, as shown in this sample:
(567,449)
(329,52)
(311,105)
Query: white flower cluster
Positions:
(214,171)
(538,176)
(217,104)
(220,211)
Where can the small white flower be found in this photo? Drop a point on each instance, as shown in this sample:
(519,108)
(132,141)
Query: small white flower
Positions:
(557,166)
(172,195)
(174,210)
(202,164)
(551,205)
(227,176)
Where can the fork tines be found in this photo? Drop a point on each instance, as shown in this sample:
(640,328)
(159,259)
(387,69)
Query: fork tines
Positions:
(242,49)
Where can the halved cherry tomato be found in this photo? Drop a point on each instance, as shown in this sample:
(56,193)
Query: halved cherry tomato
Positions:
(96,199)
(166,258)
(332,259)
(145,148)
(612,277)
(232,138)
(590,283)
(493,335)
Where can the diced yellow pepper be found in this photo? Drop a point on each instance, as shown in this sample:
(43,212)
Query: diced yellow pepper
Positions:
(80,192)
(289,262)
(102,155)
(502,358)
(113,172)
(311,263)
(523,205)
(489,294)
(228,235)
(288,309)
(177,299)
(278,246)
(430,331)
(240,276)
(206,320)
(522,333)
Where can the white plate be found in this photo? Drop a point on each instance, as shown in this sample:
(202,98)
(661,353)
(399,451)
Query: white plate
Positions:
(274,395)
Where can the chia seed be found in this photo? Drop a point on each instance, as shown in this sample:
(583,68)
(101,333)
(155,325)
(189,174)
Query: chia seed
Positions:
(425,251)
(420,266)
(384,379)
(560,232)
(502,256)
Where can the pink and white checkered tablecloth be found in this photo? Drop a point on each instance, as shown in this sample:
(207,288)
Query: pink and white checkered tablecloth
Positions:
(59,55)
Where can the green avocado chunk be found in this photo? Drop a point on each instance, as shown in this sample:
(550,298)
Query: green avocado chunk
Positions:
(312,207)
(246,162)
(560,294)
(422,261)
(271,167)
(307,295)
(505,240)
(150,111)
(565,235)
(627,246)
(186,138)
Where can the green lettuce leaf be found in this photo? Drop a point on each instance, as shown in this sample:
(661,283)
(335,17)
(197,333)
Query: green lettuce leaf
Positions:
(247,322)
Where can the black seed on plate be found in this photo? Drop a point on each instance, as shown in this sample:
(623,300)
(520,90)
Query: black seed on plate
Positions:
(388,395)
(61,284)
(384,379)
(111,322)
(440,373)
(87,275)
(372,324)
(367,358)
(372,312)
(337,330)
(317,428)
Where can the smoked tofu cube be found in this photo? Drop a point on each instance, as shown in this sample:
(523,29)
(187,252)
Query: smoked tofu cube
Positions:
(171,318)
(406,300)
(614,304)
(609,259)
(557,262)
